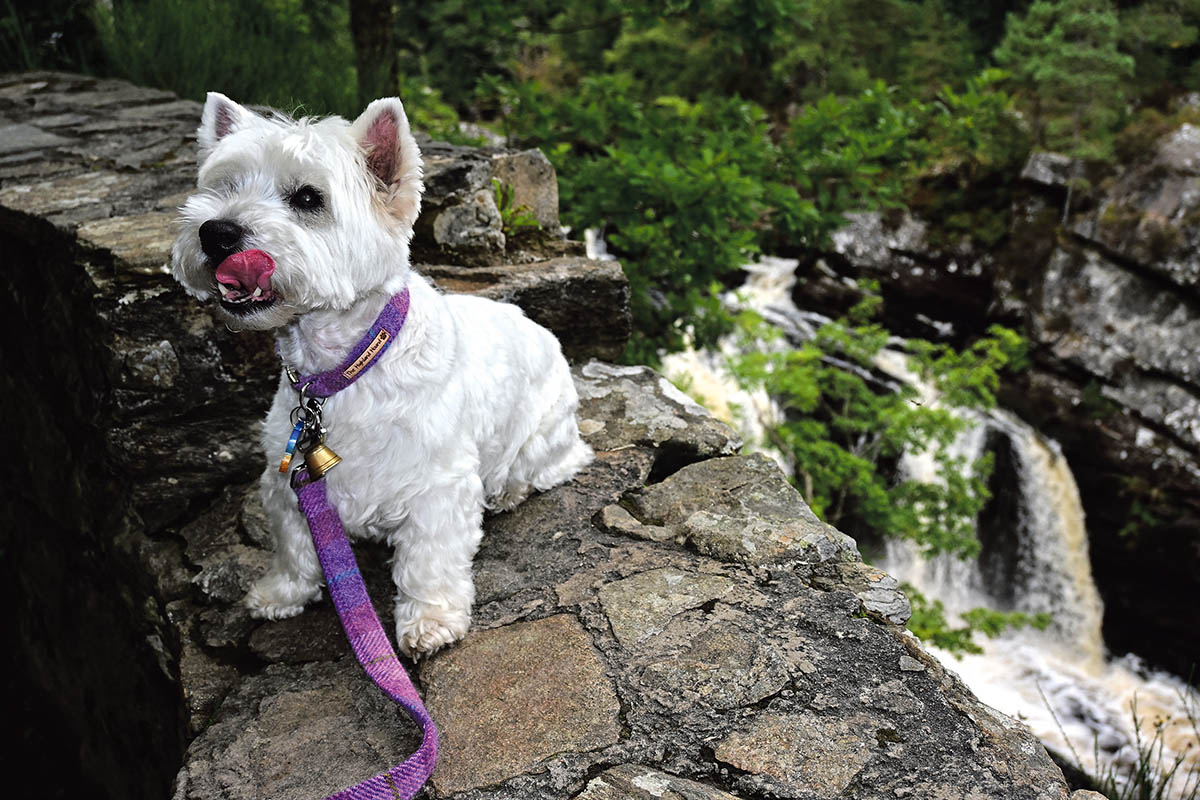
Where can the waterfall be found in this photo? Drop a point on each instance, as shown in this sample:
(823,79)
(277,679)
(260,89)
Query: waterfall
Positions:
(1060,681)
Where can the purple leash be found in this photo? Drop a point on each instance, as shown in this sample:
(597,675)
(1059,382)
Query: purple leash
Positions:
(370,644)
(367,638)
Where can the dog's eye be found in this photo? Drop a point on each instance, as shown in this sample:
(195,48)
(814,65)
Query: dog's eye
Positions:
(306,198)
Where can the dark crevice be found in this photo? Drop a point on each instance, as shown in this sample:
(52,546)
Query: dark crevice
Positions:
(670,458)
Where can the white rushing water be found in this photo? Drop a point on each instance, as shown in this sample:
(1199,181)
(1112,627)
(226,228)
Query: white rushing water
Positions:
(1061,681)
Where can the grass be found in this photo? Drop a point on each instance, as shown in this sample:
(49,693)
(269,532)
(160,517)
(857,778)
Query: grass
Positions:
(279,53)
(1155,774)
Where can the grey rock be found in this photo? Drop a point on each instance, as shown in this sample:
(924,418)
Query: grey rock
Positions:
(324,716)
(880,593)
(585,303)
(152,366)
(214,545)
(21,138)
(91,192)
(616,519)
(1121,328)
(803,755)
(533,182)
(1149,214)
(723,667)
(141,242)
(205,680)
(1048,169)
(315,635)
(460,222)
(633,782)
(507,698)
(473,224)
(226,578)
(868,240)
(642,605)
(626,406)
(742,508)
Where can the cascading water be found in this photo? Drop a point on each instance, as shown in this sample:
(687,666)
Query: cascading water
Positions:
(1060,681)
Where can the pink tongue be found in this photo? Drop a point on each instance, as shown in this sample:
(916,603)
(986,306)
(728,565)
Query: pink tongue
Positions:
(247,271)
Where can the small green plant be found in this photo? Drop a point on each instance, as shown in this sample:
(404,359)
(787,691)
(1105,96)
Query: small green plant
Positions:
(514,219)
(929,624)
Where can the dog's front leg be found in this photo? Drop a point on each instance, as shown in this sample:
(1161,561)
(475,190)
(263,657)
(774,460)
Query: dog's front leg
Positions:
(432,568)
(294,578)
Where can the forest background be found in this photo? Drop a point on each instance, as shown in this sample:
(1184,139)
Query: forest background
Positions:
(696,135)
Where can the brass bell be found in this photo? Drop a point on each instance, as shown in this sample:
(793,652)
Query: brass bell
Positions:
(320,459)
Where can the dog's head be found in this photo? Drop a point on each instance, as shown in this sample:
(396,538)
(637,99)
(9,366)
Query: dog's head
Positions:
(293,216)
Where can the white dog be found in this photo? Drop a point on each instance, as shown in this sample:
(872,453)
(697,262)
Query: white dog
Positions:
(471,407)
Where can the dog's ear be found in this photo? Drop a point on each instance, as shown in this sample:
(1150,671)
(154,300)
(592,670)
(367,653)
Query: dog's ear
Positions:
(221,117)
(392,157)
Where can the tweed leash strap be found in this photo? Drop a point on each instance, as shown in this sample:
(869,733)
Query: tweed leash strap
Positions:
(363,355)
(370,644)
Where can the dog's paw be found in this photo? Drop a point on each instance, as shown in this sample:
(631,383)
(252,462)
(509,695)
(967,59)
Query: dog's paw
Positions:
(510,498)
(423,629)
(276,596)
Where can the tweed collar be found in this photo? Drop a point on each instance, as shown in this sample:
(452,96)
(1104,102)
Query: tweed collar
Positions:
(362,357)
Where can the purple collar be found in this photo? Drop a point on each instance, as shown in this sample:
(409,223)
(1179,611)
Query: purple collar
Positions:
(364,355)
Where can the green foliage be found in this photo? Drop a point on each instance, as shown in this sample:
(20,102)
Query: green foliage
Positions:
(977,143)
(429,113)
(929,624)
(1064,56)
(252,55)
(970,378)
(845,428)
(677,187)
(1156,34)
(686,191)
(842,155)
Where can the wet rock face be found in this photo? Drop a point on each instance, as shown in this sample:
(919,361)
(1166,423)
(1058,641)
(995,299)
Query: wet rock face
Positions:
(1151,215)
(674,622)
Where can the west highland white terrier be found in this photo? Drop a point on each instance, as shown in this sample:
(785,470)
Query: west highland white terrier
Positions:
(303,227)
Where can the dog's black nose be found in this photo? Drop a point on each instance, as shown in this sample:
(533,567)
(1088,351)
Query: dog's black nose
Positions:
(221,238)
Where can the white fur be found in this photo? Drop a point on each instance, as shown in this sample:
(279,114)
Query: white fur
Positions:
(471,407)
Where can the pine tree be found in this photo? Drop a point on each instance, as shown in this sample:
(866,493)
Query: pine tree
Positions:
(1065,55)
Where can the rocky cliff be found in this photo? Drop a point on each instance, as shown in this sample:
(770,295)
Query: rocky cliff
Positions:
(1111,307)
(673,623)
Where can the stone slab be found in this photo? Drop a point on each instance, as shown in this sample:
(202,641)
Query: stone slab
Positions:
(585,303)
(741,508)
(804,755)
(642,605)
(624,406)
(635,782)
(268,733)
(510,697)
(141,243)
